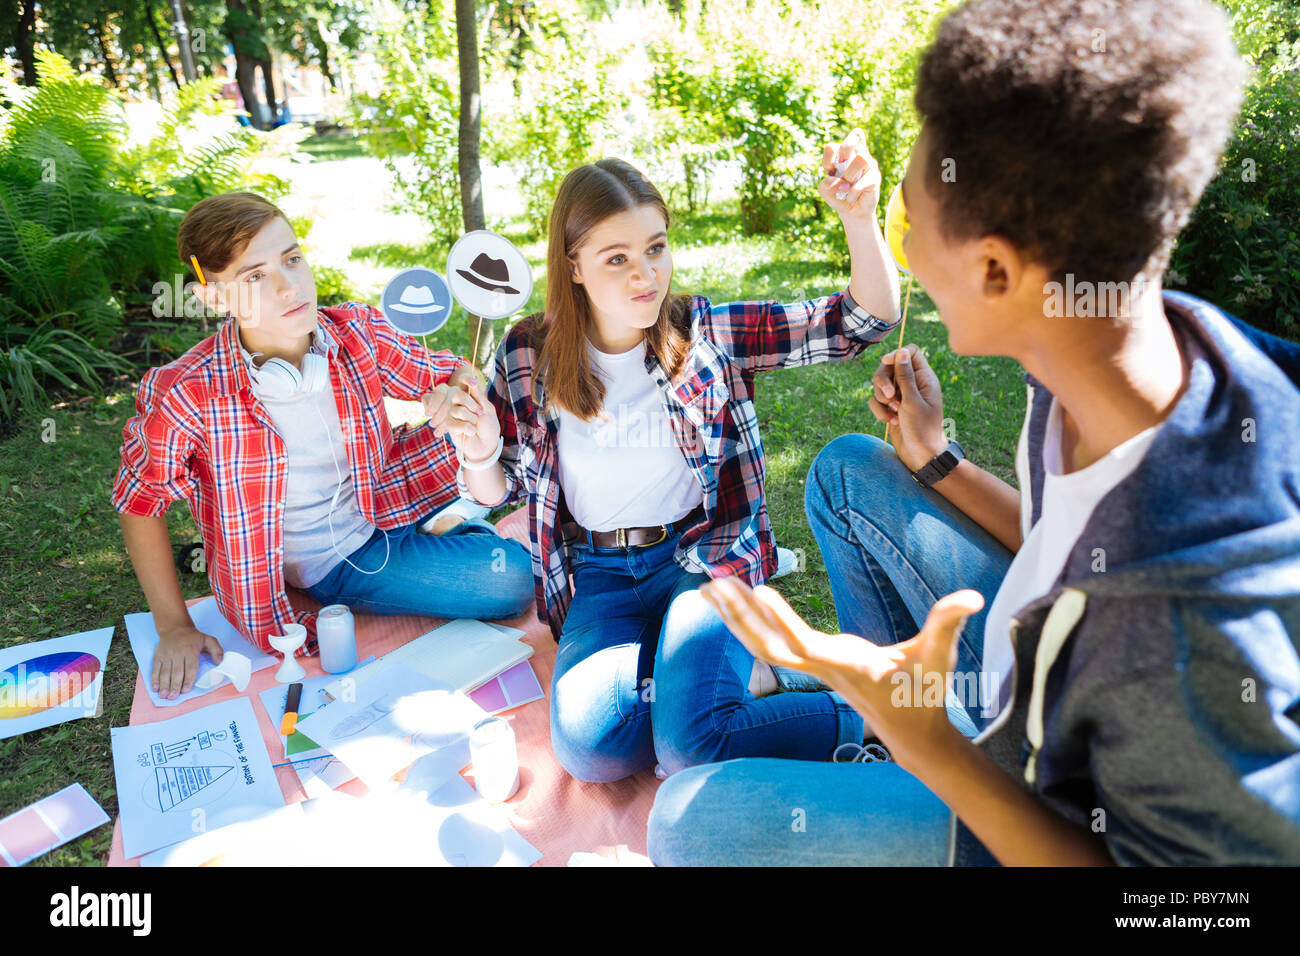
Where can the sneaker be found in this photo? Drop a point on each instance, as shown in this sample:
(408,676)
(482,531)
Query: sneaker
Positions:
(786,562)
(763,680)
(797,681)
(461,508)
(871,752)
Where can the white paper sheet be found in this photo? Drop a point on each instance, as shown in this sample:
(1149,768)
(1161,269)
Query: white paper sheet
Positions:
(398,717)
(43,683)
(273,702)
(453,826)
(195,772)
(142,634)
(320,775)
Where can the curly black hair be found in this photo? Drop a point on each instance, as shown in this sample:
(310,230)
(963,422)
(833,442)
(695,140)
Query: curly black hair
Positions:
(1084,131)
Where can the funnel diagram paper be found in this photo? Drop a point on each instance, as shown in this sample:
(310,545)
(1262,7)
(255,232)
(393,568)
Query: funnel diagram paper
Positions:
(195,772)
(176,785)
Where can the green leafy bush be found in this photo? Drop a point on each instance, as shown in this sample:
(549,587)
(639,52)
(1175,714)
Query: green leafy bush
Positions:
(88,221)
(563,124)
(1241,249)
(413,123)
(333,286)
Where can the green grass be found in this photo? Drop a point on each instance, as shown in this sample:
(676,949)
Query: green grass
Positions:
(341,144)
(65,570)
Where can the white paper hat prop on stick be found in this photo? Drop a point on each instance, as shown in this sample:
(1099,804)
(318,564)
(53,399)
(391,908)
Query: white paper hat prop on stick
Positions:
(489,276)
(417,301)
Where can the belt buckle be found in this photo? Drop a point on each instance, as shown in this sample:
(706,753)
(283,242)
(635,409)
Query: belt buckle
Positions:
(663,536)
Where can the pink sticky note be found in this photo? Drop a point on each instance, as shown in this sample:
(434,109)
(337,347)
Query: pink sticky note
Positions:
(25,835)
(521,685)
(72,811)
(490,696)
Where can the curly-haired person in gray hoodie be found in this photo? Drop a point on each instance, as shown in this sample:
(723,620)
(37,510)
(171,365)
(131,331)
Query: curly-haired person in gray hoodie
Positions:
(1126,685)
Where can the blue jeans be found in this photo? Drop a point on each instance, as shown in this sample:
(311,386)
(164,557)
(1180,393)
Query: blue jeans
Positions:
(646,671)
(892,548)
(469,571)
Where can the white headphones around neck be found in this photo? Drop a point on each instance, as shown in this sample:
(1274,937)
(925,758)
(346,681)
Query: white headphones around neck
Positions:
(279,379)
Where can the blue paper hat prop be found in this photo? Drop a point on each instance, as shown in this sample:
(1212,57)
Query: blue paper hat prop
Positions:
(417,301)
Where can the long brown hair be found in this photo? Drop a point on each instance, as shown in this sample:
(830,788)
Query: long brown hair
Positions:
(588,195)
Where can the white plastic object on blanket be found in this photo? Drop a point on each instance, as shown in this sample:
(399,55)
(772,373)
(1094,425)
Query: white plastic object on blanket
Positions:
(233,665)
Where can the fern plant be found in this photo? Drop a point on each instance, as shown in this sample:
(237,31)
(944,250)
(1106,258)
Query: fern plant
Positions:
(88,222)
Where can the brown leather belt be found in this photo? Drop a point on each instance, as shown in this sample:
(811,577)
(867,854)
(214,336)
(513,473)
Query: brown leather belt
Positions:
(629,537)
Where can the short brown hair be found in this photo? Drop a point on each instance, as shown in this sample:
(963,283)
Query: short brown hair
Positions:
(587,196)
(218,229)
(1084,131)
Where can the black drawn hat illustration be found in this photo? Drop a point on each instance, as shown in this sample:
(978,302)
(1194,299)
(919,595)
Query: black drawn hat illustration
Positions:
(488,273)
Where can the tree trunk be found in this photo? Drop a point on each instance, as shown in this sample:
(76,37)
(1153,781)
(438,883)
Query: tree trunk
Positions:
(471,176)
(162,47)
(182,41)
(268,84)
(245,77)
(324,57)
(25,43)
(238,23)
(263,57)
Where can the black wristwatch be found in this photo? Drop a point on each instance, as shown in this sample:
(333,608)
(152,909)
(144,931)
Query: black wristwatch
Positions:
(939,466)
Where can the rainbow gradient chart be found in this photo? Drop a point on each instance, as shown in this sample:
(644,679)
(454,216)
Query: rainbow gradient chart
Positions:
(43,683)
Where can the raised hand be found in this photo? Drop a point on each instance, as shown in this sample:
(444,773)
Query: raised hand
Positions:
(449,408)
(854,192)
(865,674)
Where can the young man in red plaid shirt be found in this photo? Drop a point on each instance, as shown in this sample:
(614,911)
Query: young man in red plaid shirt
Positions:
(274,432)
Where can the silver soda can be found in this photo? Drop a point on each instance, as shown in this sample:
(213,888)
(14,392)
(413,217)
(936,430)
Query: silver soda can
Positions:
(495,759)
(336,639)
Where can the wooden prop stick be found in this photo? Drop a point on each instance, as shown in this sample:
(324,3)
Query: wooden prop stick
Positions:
(425,340)
(902,330)
(473,356)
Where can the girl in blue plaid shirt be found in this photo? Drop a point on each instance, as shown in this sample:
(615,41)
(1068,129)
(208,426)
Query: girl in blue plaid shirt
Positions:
(623,414)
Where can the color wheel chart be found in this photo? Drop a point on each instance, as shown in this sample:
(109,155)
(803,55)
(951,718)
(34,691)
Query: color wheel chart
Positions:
(44,682)
(47,682)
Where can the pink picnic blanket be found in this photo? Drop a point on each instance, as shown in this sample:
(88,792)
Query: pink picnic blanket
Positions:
(551,810)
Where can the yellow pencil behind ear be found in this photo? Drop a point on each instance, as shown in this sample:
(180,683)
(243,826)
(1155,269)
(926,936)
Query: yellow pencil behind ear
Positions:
(198,271)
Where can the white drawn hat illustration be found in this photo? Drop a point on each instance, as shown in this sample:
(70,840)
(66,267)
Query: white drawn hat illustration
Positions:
(417,300)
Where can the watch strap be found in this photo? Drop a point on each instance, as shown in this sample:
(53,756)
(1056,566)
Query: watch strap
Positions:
(940,466)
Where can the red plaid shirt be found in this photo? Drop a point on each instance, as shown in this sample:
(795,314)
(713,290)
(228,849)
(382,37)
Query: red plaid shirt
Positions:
(710,407)
(200,434)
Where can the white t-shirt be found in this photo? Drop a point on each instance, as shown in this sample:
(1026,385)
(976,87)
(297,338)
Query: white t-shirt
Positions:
(623,468)
(1068,503)
(308,423)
